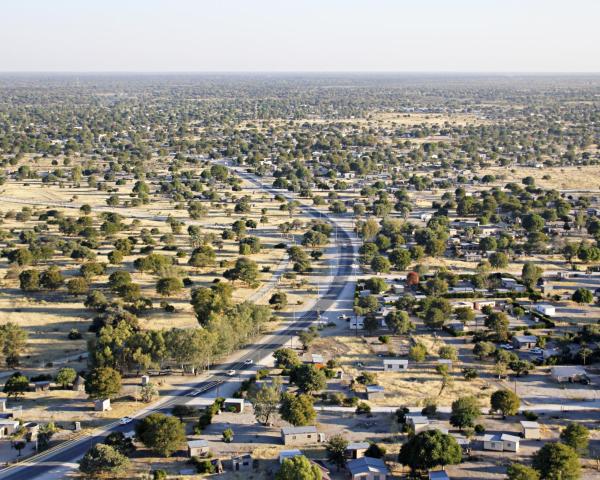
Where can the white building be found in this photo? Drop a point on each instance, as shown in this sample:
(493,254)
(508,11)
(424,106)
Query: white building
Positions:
(530,430)
(567,373)
(501,442)
(545,309)
(394,364)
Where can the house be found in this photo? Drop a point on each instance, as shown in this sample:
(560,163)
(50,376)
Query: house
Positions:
(145,380)
(40,386)
(357,323)
(457,326)
(398,289)
(545,309)
(438,475)
(568,373)
(79,384)
(356,450)
(524,342)
(417,422)
(288,454)
(301,435)
(501,442)
(8,426)
(317,359)
(367,468)
(242,463)
(375,391)
(198,448)
(512,284)
(102,405)
(234,405)
(484,303)
(395,365)
(530,430)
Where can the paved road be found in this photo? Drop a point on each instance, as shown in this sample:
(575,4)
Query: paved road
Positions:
(54,463)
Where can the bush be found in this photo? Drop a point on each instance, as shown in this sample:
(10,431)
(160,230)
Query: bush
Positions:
(479,429)
(74,334)
(385,339)
(363,408)
(531,416)
(203,466)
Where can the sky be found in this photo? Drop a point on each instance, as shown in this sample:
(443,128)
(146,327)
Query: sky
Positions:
(300,35)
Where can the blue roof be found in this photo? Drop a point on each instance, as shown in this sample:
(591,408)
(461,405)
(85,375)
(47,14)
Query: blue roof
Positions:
(366,465)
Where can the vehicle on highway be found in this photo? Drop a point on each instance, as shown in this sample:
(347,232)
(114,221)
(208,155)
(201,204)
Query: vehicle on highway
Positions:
(125,420)
(231,373)
(248,362)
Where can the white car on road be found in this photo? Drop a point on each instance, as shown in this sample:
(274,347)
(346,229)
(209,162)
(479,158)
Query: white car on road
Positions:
(125,420)
(231,373)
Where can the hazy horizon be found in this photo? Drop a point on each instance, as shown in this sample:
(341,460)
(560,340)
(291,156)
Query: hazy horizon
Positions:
(266,36)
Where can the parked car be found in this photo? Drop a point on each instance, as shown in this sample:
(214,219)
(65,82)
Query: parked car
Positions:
(507,346)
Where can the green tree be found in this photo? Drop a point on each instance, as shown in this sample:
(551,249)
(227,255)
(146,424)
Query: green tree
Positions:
(16,385)
(484,350)
(376,285)
(29,280)
(297,409)
(336,450)
(517,471)
(380,264)
(120,443)
(227,435)
(530,274)
(103,382)
(498,260)
(169,286)
(429,449)
(78,286)
(202,257)
(582,295)
(417,352)
(308,378)
(265,401)
(577,437)
(245,270)
(498,322)
(400,258)
(278,300)
(13,340)
(102,459)
(298,468)
(286,358)
(161,433)
(556,461)
(399,322)
(506,402)
(148,392)
(51,278)
(66,376)
(465,411)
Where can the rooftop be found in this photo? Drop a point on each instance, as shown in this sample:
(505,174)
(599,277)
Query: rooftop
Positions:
(366,465)
(296,430)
